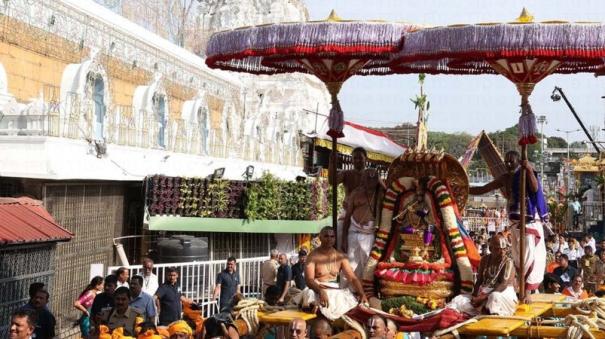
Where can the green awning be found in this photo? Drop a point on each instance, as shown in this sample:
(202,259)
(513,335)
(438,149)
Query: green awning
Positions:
(197,224)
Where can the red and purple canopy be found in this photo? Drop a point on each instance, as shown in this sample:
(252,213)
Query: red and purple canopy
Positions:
(470,49)
(332,50)
(522,51)
(292,47)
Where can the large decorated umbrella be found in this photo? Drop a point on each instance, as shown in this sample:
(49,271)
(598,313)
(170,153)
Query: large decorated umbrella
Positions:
(333,50)
(523,51)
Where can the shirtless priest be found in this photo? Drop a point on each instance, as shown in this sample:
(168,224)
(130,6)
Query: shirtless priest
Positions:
(324,265)
(358,227)
(493,292)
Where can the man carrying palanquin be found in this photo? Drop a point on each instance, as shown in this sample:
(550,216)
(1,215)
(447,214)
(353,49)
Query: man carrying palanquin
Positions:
(351,179)
(536,215)
(324,265)
(494,291)
(358,227)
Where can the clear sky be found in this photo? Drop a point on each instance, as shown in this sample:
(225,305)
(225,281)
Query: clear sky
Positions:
(468,103)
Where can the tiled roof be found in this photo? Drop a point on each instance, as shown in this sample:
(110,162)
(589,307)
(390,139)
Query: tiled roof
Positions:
(25,220)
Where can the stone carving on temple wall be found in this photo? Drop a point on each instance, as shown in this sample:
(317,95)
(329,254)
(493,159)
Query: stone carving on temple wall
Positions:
(261,119)
(150,107)
(80,99)
(195,117)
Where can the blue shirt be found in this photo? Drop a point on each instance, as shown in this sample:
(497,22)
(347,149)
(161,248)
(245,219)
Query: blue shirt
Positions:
(144,303)
(284,275)
(170,303)
(229,283)
(298,275)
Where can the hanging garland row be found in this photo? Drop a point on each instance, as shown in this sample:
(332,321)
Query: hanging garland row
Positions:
(268,198)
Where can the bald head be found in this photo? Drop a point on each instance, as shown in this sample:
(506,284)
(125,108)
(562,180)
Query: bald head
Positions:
(498,244)
(327,237)
(391,329)
(298,329)
(376,327)
(322,329)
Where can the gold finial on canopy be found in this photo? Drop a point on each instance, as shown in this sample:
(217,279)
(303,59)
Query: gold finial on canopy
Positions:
(333,17)
(525,16)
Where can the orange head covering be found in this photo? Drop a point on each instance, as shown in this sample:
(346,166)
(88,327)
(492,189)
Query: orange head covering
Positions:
(181,327)
(163,331)
(149,334)
(118,333)
(104,332)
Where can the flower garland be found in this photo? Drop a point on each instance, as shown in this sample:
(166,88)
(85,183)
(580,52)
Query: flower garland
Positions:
(448,220)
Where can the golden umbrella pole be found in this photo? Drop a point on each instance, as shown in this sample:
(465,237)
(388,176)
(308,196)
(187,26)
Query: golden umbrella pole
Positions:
(334,89)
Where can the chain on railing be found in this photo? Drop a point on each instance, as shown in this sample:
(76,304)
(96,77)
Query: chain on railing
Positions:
(197,279)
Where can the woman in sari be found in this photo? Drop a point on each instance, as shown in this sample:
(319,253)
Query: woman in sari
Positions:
(84,303)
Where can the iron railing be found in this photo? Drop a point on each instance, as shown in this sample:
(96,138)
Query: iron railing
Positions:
(476,224)
(197,279)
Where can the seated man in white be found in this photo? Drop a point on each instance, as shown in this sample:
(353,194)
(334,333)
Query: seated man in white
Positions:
(493,292)
(324,265)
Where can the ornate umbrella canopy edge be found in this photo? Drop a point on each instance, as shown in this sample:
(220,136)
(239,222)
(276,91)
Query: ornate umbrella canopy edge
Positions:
(276,48)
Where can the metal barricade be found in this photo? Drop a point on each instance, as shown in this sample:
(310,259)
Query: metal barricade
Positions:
(476,224)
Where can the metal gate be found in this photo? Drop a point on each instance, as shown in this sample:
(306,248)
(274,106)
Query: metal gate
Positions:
(19,267)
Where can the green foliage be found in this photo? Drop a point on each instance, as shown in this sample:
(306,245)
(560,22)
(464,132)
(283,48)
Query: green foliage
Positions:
(339,199)
(556,142)
(296,198)
(452,143)
(409,302)
(216,200)
(421,101)
(263,199)
(578,144)
(272,199)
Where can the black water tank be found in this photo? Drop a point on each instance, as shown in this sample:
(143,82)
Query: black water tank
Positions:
(182,248)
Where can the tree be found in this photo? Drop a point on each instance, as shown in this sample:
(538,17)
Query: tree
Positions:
(452,143)
(179,19)
(174,20)
(556,142)
(578,144)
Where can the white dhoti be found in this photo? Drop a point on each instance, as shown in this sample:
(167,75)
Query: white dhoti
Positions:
(535,253)
(499,303)
(340,301)
(359,244)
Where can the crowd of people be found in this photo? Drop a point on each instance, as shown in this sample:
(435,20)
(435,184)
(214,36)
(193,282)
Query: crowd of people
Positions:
(326,280)
(575,268)
(135,305)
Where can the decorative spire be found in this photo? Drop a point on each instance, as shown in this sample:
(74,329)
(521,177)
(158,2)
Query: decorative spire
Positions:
(333,17)
(525,16)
